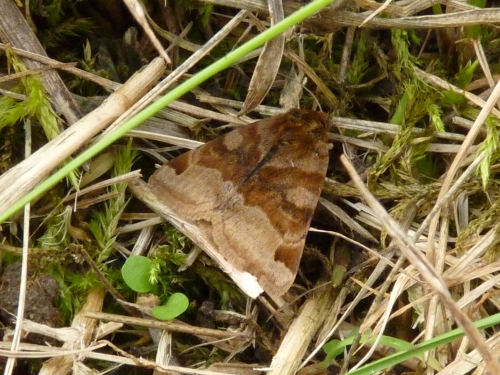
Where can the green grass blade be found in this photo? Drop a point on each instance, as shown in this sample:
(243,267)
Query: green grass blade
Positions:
(176,93)
(420,349)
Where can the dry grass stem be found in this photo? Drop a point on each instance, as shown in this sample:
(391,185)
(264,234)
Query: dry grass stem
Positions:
(26,175)
(412,89)
(427,271)
(62,365)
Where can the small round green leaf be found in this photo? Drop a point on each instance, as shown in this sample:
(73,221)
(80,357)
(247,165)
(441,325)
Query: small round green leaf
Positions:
(175,306)
(135,273)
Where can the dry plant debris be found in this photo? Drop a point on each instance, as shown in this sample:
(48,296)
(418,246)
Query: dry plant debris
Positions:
(411,87)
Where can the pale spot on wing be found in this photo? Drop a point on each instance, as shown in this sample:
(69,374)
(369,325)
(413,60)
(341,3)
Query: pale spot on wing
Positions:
(300,196)
(233,140)
(248,241)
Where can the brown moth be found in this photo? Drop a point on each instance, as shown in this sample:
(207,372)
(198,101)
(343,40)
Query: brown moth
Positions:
(253,192)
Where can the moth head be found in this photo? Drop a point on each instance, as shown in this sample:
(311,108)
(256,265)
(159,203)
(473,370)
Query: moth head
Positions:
(303,129)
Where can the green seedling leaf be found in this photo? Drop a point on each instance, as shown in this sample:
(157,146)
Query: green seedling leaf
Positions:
(175,306)
(136,273)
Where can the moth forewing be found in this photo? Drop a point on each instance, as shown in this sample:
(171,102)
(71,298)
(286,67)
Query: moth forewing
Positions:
(252,193)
